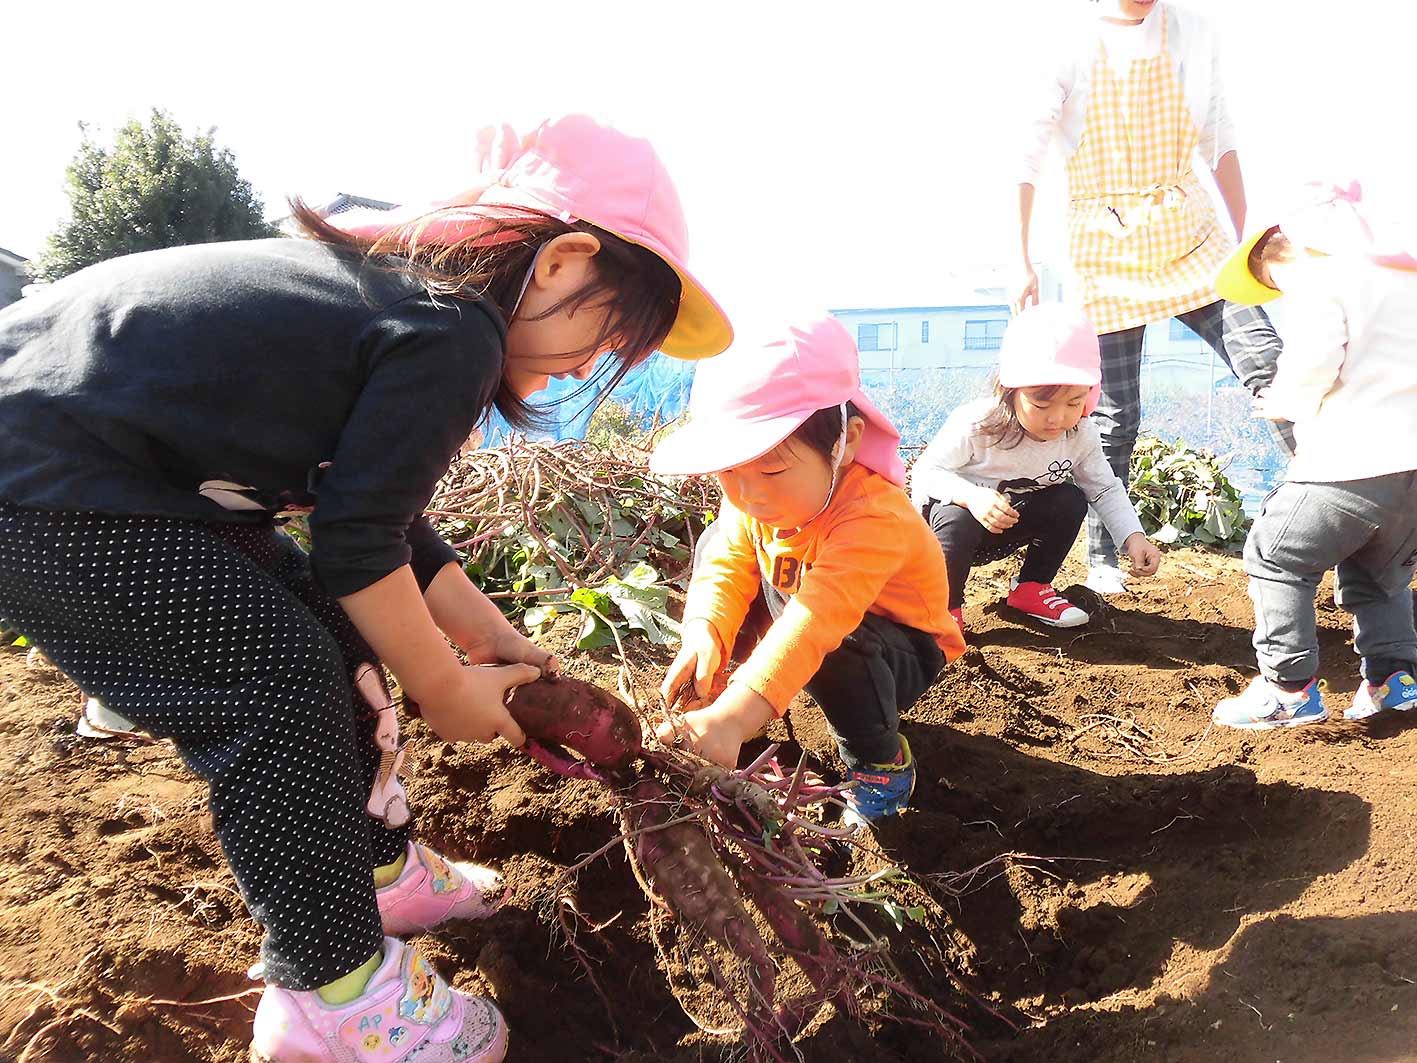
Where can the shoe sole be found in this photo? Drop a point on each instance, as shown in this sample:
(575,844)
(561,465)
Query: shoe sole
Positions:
(1379,710)
(1271,725)
(1044,620)
(501,1043)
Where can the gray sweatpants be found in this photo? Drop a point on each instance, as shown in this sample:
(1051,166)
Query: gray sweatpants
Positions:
(1368,529)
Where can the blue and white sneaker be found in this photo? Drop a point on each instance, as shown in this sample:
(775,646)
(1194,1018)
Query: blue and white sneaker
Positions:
(1398,692)
(881,789)
(1263,705)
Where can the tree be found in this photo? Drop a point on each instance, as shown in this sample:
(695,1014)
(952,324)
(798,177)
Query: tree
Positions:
(154,188)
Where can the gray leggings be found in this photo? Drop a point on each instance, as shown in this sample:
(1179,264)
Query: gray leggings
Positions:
(1368,529)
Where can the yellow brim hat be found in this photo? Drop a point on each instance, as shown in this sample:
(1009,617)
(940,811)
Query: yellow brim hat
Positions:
(1236,283)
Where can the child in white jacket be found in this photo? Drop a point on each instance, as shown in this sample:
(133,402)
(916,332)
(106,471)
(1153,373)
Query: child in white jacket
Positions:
(1019,469)
(1348,381)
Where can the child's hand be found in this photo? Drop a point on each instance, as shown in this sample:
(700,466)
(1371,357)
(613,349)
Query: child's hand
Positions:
(1145,558)
(507,645)
(472,706)
(1261,407)
(992,509)
(696,663)
(718,731)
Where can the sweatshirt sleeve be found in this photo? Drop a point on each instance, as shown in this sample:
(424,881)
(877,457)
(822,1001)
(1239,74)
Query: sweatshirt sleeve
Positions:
(1315,344)
(936,473)
(1217,129)
(858,557)
(1104,488)
(726,578)
(432,370)
(430,554)
(1045,96)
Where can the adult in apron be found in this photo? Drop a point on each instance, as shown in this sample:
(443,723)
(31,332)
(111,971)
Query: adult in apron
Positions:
(1143,235)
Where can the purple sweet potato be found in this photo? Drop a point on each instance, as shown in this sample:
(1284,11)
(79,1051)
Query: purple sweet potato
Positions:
(579,716)
(683,870)
(805,943)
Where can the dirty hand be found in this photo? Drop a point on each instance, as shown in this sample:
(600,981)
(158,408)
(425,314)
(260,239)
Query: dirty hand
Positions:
(718,731)
(471,705)
(992,509)
(1143,554)
(694,666)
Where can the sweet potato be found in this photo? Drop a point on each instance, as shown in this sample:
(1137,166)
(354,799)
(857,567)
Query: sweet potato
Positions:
(581,716)
(684,871)
(805,943)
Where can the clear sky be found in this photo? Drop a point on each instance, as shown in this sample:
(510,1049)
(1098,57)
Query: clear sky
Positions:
(836,154)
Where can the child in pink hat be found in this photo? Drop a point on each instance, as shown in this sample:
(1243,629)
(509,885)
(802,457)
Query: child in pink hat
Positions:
(160,411)
(816,531)
(1019,469)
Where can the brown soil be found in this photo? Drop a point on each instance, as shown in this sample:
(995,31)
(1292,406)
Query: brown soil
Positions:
(1205,895)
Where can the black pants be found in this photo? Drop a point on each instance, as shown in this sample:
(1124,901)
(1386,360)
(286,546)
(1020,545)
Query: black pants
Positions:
(1048,523)
(863,685)
(217,637)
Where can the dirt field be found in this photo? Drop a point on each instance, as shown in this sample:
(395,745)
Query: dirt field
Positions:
(1207,895)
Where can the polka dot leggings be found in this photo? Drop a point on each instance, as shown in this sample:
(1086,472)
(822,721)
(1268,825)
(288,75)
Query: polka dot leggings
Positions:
(217,637)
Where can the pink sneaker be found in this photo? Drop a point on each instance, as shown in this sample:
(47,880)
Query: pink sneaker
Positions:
(406,1012)
(432,890)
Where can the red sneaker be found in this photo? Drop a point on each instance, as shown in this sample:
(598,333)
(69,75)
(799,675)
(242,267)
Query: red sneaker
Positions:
(1042,602)
(958,614)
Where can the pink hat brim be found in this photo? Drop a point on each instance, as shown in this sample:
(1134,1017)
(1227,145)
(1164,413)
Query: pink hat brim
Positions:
(714,444)
(1068,377)
(701,328)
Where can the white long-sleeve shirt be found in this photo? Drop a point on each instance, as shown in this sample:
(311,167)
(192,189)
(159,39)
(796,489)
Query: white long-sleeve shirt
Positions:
(1347,377)
(1059,104)
(958,459)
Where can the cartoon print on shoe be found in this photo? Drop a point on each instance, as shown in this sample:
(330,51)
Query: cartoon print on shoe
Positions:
(450,1027)
(432,889)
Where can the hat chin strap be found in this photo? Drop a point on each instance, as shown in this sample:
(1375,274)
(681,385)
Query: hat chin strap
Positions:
(838,450)
(526,283)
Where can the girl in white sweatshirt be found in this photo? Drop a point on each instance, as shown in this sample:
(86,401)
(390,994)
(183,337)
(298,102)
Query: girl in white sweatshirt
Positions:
(1020,469)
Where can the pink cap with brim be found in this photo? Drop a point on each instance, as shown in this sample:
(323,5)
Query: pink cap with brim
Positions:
(751,399)
(1052,344)
(574,168)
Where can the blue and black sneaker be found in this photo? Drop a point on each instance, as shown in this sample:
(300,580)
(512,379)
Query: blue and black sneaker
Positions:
(881,789)
(1264,705)
(1398,691)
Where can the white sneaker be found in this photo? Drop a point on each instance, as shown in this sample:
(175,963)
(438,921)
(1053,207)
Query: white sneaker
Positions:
(97,720)
(1105,579)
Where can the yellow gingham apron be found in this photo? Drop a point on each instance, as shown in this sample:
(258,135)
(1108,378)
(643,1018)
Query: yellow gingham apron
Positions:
(1142,231)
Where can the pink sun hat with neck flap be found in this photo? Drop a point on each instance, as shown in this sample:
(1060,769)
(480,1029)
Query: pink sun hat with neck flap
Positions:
(1052,344)
(746,402)
(573,168)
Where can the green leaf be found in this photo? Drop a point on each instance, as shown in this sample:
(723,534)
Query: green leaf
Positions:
(594,631)
(1167,534)
(895,913)
(21,641)
(537,615)
(640,575)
